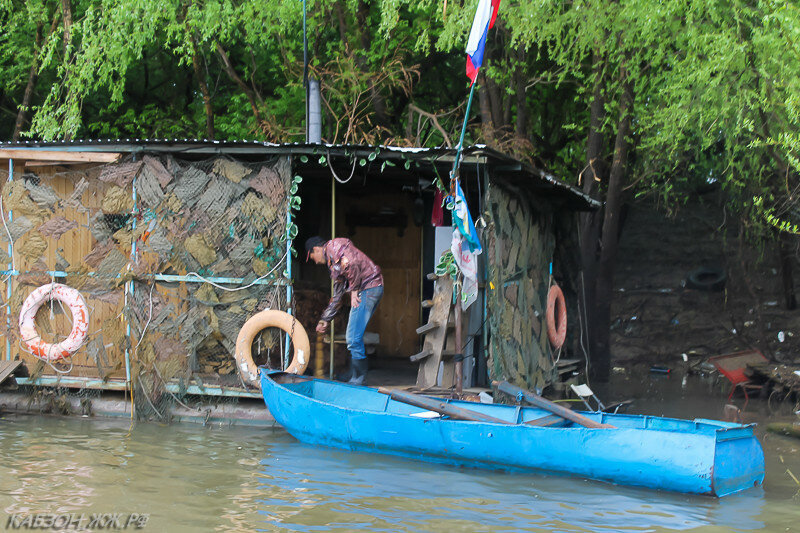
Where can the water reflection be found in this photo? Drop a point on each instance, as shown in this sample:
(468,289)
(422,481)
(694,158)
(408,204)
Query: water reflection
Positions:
(333,490)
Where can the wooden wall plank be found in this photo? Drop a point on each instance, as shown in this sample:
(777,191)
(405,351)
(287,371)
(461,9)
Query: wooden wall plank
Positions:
(76,244)
(399,257)
(63,156)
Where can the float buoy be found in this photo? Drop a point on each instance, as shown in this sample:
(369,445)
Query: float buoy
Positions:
(31,339)
(556,317)
(270,318)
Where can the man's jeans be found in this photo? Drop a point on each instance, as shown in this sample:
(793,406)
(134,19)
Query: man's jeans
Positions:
(359,318)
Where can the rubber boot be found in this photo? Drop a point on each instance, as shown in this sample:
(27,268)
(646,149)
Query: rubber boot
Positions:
(359,367)
(347,374)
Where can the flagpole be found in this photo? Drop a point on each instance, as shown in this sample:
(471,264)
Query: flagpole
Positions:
(459,358)
(459,147)
(484,20)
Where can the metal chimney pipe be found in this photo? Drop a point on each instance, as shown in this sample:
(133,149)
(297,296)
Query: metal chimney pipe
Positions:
(314,113)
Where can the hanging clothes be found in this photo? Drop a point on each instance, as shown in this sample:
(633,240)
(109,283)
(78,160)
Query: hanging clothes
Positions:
(462,219)
(437,213)
(467,261)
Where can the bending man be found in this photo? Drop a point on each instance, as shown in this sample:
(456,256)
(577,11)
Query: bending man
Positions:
(351,271)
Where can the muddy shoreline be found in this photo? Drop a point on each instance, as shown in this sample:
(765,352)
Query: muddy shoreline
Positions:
(657,317)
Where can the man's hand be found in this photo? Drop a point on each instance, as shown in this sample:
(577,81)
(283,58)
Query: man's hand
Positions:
(322,327)
(355,299)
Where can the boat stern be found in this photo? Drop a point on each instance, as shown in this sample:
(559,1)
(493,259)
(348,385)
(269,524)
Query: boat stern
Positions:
(738,460)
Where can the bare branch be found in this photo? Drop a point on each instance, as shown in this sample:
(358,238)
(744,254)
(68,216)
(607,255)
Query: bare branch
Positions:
(435,120)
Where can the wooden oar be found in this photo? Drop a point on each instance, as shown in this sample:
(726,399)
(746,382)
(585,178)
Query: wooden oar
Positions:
(457,413)
(545,421)
(538,401)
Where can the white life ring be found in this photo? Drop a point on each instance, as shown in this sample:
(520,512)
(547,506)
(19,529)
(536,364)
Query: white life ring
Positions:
(270,318)
(27,321)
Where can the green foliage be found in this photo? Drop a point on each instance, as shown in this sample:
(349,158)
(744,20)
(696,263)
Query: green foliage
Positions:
(773,220)
(294,202)
(715,84)
(136,58)
(447,266)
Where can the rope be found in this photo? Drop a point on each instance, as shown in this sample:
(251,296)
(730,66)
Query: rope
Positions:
(170,392)
(10,240)
(255,281)
(335,175)
(44,359)
(146,397)
(149,318)
(582,316)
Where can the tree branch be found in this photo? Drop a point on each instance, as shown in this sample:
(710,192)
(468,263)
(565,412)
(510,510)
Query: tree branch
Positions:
(227,66)
(201,81)
(434,120)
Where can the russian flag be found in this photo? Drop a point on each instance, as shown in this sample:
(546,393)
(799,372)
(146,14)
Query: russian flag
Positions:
(484,19)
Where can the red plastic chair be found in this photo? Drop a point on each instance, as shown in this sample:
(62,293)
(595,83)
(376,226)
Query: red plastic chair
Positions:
(733,365)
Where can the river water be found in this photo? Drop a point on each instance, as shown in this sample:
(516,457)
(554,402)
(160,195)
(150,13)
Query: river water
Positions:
(193,478)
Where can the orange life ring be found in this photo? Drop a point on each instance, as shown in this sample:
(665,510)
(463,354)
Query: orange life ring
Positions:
(27,321)
(270,318)
(556,317)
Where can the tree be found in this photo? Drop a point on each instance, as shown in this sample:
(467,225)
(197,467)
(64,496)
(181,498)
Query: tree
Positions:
(623,98)
(670,93)
(214,68)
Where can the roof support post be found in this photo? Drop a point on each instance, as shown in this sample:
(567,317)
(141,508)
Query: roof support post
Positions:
(10,267)
(289,242)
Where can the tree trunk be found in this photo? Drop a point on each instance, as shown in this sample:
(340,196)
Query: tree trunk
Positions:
(227,66)
(495,104)
(342,26)
(595,164)
(377,99)
(201,81)
(146,76)
(486,113)
(591,222)
(610,237)
(521,129)
(785,256)
(28,96)
(761,342)
(66,8)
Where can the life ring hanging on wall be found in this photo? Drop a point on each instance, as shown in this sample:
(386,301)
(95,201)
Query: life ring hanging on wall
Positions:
(31,339)
(270,318)
(556,317)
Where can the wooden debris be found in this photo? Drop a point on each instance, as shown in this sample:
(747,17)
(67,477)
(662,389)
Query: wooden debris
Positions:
(783,376)
(785,428)
(454,412)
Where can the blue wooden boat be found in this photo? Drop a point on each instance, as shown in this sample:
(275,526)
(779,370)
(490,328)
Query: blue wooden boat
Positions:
(700,456)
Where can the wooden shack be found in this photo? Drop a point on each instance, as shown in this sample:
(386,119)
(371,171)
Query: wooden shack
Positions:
(174,244)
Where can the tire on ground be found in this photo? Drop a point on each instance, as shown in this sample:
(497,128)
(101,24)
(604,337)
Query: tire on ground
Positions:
(707,279)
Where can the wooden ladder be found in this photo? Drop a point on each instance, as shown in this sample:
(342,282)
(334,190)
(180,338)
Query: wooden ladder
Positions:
(439,338)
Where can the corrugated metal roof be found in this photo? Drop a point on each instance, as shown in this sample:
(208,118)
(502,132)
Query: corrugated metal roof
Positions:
(501,165)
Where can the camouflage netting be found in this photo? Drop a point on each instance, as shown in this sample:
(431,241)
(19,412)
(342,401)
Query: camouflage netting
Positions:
(519,245)
(204,220)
